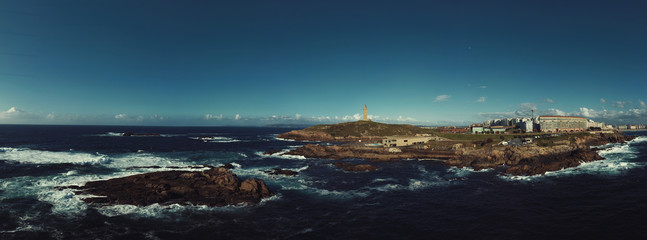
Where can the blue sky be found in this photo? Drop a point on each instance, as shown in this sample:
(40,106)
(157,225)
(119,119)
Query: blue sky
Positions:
(266,62)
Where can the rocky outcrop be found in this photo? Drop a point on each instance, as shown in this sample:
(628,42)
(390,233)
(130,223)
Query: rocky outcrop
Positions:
(533,160)
(371,153)
(302,135)
(284,172)
(214,187)
(553,162)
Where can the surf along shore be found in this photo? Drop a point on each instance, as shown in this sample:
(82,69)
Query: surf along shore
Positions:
(537,153)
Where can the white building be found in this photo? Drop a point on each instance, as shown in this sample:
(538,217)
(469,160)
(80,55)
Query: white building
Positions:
(401,141)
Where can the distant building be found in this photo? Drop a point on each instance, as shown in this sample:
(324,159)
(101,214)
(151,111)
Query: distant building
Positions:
(401,141)
(476,128)
(622,127)
(562,124)
(593,124)
(527,126)
(498,129)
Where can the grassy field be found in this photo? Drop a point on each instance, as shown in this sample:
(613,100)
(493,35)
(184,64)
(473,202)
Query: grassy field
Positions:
(550,141)
(476,137)
(367,128)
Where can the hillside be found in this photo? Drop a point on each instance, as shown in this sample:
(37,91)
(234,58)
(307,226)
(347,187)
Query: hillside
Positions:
(352,130)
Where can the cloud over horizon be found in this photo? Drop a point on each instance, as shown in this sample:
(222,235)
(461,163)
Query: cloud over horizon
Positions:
(442,98)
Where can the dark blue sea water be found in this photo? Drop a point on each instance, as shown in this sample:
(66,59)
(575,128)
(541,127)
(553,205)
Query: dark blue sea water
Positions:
(403,200)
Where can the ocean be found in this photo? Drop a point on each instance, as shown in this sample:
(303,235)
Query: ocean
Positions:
(407,199)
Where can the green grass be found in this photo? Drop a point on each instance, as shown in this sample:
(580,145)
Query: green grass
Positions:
(476,137)
(367,128)
(550,141)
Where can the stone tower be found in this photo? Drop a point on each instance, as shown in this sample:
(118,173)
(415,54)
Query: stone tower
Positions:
(365,118)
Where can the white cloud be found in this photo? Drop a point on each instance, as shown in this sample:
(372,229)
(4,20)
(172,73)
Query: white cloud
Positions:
(237,117)
(121,116)
(585,112)
(213,117)
(603,101)
(549,100)
(16,114)
(481,99)
(621,104)
(527,107)
(442,98)
(14,110)
(483,87)
(631,116)
(642,104)
(554,111)
(298,116)
(406,119)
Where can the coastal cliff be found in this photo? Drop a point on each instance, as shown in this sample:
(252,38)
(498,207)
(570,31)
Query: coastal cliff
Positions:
(549,154)
(533,159)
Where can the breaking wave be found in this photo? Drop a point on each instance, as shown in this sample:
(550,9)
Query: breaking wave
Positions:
(29,156)
(281,154)
(215,139)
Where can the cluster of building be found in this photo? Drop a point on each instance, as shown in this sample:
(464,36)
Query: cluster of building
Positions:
(547,124)
(632,127)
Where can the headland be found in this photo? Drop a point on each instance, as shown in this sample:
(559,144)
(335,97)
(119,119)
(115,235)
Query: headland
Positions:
(516,154)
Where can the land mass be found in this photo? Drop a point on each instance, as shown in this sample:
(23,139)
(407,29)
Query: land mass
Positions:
(546,153)
(217,186)
(352,131)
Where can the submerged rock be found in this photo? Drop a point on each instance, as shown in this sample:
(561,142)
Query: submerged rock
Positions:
(278,171)
(214,187)
(355,167)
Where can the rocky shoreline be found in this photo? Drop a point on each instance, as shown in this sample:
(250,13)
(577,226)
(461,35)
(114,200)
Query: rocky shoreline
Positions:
(517,160)
(217,186)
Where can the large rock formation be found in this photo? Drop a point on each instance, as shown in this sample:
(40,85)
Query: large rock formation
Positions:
(214,187)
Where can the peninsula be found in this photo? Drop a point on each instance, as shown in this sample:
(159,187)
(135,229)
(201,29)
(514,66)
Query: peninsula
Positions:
(514,153)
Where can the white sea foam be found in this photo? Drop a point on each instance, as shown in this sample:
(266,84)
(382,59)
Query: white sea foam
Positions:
(110,134)
(639,139)
(29,156)
(465,171)
(236,165)
(281,154)
(378,180)
(284,139)
(215,139)
(129,160)
(414,185)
